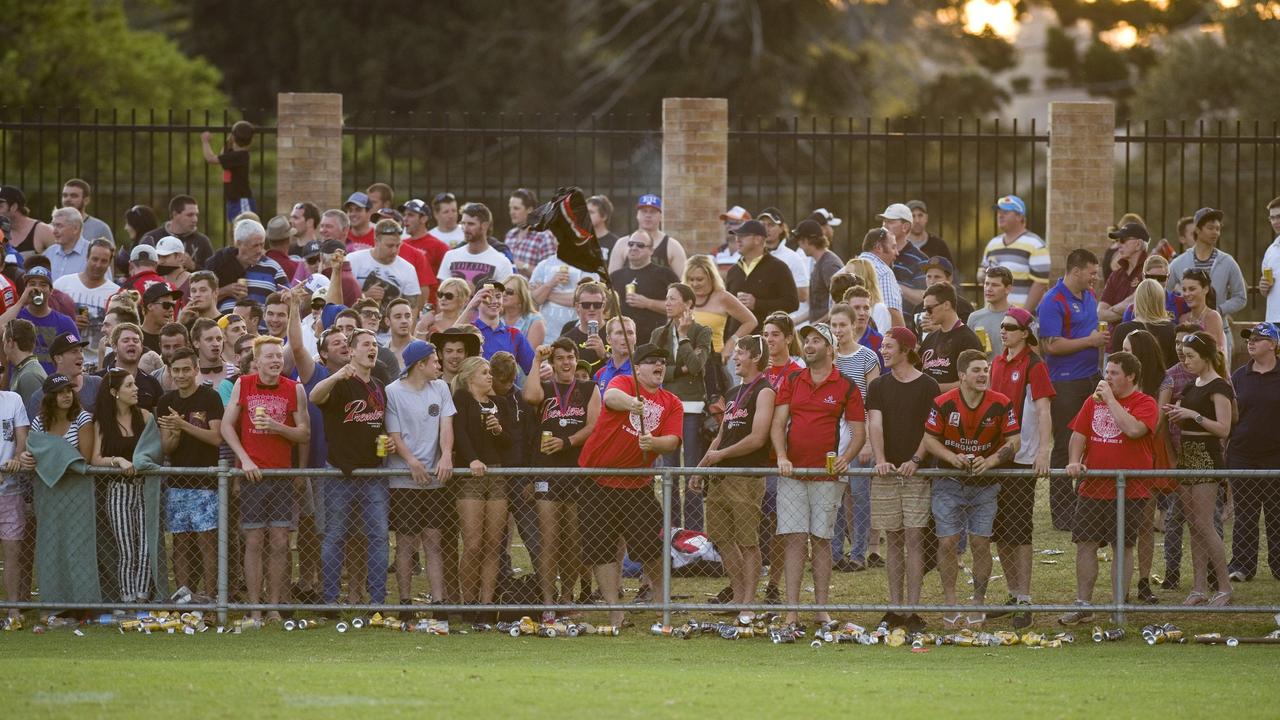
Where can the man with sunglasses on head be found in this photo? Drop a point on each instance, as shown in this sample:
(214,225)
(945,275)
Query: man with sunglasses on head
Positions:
(383,261)
(444,208)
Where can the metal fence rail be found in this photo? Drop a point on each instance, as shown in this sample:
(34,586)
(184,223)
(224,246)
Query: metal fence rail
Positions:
(665,483)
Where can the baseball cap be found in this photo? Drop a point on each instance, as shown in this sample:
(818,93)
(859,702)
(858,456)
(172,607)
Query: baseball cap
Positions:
(156,292)
(359,199)
(773,214)
(1130,230)
(310,250)
(170,245)
(12,195)
(750,227)
(904,337)
(940,262)
(649,351)
(391,214)
(143,252)
(414,353)
(918,205)
(1265,330)
(333,246)
(828,217)
(278,228)
(808,228)
(822,329)
(737,213)
(1012,203)
(65,342)
(55,383)
(416,206)
(317,283)
(896,211)
(1205,214)
(38,271)
(652,201)
(1022,316)
(584,366)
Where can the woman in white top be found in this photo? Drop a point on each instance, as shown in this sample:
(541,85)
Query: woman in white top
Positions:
(863,268)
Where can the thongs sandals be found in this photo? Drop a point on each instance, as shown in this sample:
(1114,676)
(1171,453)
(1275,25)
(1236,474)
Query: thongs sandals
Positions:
(1196,598)
(1220,599)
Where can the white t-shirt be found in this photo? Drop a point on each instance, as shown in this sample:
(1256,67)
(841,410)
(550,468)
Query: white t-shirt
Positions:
(475,269)
(93,300)
(880,314)
(399,272)
(415,414)
(13,415)
(1271,259)
(555,315)
(453,238)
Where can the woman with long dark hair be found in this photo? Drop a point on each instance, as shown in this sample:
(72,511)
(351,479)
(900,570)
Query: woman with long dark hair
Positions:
(1144,346)
(138,221)
(119,422)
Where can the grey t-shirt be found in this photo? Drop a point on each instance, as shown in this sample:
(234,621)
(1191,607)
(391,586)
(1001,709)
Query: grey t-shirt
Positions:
(824,268)
(415,414)
(88,396)
(990,321)
(28,379)
(95,228)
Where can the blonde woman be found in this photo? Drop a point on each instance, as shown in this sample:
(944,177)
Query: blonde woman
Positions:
(518,310)
(451,299)
(1149,314)
(862,268)
(713,305)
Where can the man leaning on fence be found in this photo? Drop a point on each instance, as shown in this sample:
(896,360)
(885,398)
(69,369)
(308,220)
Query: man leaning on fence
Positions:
(640,421)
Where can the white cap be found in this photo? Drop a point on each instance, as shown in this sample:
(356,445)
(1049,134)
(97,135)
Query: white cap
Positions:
(317,284)
(143,252)
(169,245)
(896,211)
(831,218)
(737,213)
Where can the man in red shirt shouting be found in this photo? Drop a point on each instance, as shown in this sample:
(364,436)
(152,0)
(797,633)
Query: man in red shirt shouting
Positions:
(972,429)
(814,400)
(631,432)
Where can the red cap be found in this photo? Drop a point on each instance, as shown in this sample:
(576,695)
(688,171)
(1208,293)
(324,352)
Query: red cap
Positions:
(905,338)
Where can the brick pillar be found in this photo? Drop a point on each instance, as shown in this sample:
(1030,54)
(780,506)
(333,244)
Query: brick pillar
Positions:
(1081,178)
(309,150)
(695,170)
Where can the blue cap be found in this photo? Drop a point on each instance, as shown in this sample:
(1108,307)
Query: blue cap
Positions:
(1265,330)
(38,271)
(652,201)
(415,352)
(1012,203)
(330,313)
(1205,214)
(358,198)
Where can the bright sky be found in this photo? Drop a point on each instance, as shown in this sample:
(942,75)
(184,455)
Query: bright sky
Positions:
(1000,16)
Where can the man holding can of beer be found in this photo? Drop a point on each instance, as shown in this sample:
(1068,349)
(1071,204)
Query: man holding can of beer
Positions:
(353,404)
(972,429)
(806,433)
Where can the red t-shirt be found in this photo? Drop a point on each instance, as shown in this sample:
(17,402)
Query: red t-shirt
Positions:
(778,373)
(1107,448)
(266,449)
(981,430)
(815,415)
(613,443)
(8,294)
(1012,378)
(421,266)
(434,249)
(360,241)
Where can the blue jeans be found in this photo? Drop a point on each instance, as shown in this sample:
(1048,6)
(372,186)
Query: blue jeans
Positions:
(343,498)
(860,489)
(687,506)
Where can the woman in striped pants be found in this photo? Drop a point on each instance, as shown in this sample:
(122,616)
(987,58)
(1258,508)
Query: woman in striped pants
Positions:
(119,422)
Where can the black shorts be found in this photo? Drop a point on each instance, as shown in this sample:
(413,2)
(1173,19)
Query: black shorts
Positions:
(1095,520)
(414,510)
(1014,509)
(607,515)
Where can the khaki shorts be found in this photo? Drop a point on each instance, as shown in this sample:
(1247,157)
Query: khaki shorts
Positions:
(899,503)
(733,509)
(809,506)
(489,487)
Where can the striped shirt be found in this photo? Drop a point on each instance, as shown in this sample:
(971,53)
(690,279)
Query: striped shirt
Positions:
(72,434)
(1027,258)
(888,282)
(856,365)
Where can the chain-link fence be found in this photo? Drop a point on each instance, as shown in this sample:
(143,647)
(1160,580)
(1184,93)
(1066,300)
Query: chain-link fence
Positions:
(608,545)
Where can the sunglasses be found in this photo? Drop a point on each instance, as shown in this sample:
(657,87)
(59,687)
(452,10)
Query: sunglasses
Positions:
(591,305)
(926,309)
(447,296)
(509,293)
(444,197)
(634,244)
(1153,276)
(1010,328)
(168,305)
(370,314)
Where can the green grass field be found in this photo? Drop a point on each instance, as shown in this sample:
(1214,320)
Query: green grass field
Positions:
(321,674)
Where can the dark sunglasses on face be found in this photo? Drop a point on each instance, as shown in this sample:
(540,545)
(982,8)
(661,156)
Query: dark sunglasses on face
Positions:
(1159,278)
(634,244)
(591,305)
(168,305)
(929,308)
(447,296)
(1010,328)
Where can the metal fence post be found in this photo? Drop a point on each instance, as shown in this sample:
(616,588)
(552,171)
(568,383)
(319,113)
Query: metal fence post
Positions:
(224,492)
(666,545)
(1119,550)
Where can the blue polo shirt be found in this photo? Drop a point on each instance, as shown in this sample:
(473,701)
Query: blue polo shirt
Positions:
(1253,436)
(1069,316)
(505,338)
(606,374)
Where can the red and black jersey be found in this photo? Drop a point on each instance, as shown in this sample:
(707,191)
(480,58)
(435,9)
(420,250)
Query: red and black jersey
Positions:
(980,430)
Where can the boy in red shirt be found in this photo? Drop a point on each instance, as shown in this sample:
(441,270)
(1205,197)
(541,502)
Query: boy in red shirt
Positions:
(1114,430)
(630,433)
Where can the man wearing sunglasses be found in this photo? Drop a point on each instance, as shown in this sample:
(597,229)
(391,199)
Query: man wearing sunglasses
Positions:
(941,347)
(588,303)
(158,307)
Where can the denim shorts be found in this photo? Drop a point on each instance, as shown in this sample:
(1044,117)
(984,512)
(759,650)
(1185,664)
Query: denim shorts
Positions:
(957,507)
(190,510)
(267,502)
